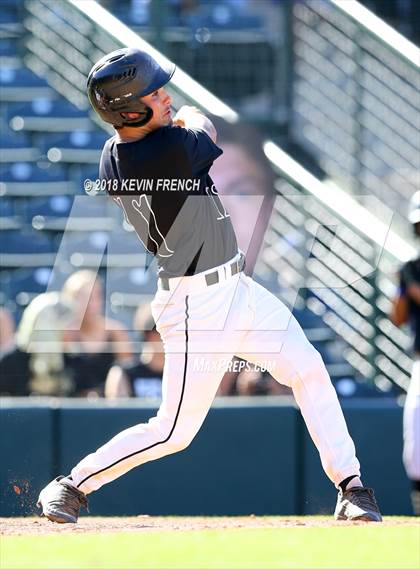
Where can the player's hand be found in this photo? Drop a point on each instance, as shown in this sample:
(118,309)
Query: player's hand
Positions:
(178,122)
(183,113)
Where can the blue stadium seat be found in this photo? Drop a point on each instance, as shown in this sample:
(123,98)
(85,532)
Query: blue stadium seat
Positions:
(9,218)
(134,281)
(62,212)
(20,77)
(45,108)
(18,85)
(94,248)
(29,281)
(17,148)
(7,208)
(28,172)
(10,139)
(27,242)
(26,249)
(75,140)
(9,46)
(53,206)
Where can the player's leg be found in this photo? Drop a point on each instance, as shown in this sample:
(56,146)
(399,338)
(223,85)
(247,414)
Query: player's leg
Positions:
(188,390)
(275,340)
(411,453)
(187,396)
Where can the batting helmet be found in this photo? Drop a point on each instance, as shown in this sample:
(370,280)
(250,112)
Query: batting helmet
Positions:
(414,208)
(116,82)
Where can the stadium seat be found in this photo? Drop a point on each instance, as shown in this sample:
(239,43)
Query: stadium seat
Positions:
(8,216)
(78,147)
(46,115)
(18,85)
(61,212)
(53,206)
(41,107)
(99,248)
(6,208)
(130,287)
(17,148)
(26,249)
(28,283)
(77,139)
(25,172)
(29,179)
(20,77)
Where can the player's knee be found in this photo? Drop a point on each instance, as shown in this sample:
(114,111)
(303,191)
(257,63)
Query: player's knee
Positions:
(178,442)
(311,368)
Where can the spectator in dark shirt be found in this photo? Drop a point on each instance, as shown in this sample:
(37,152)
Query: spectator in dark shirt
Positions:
(35,365)
(142,378)
(92,343)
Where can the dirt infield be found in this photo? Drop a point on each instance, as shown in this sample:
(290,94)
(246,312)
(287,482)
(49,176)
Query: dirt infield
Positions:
(40,526)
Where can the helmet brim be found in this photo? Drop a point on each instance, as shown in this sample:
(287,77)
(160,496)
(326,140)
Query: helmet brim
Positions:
(163,76)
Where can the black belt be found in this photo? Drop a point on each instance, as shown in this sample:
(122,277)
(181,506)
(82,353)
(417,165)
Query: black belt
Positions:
(212,278)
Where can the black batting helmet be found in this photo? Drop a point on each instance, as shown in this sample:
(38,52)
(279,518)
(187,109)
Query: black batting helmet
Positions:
(116,82)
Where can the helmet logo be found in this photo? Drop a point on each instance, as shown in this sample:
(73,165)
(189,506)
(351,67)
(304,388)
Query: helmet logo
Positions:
(131,72)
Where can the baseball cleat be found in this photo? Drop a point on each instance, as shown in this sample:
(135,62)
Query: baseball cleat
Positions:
(357,504)
(60,501)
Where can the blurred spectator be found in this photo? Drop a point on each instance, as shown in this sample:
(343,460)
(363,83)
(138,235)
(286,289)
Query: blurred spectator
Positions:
(243,378)
(406,309)
(92,343)
(7,331)
(243,176)
(35,365)
(143,378)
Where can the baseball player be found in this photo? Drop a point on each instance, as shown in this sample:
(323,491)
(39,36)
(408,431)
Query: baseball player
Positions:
(406,309)
(206,309)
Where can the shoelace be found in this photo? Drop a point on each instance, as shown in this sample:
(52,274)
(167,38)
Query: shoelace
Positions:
(362,497)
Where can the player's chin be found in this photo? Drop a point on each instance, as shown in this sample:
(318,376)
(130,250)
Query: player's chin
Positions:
(167,120)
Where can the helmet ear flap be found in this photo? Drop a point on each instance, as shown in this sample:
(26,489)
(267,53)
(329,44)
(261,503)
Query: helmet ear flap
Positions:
(141,118)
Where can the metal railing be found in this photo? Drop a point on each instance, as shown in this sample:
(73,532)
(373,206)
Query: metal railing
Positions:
(325,247)
(356,101)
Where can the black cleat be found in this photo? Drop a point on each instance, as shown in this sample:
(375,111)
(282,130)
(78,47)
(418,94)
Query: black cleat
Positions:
(357,504)
(60,501)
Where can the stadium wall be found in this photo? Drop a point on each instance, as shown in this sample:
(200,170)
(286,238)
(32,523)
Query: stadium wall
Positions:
(250,457)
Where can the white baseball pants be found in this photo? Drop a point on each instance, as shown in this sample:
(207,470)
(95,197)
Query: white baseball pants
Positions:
(202,327)
(411,425)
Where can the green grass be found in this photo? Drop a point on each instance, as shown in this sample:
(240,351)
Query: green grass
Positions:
(346,547)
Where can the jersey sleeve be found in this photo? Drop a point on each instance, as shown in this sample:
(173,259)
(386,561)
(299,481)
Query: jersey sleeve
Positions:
(407,277)
(200,148)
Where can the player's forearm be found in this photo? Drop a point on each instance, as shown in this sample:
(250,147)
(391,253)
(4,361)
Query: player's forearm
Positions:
(399,312)
(413,291)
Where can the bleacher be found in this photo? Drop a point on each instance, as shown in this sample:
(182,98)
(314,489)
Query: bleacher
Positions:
(48,147)
(50,227)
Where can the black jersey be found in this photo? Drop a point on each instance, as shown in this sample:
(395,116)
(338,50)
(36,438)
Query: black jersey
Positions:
(410,274)
(143,381)
(167,195)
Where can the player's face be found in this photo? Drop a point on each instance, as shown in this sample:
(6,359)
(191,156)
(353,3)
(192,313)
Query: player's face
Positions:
(160,103)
